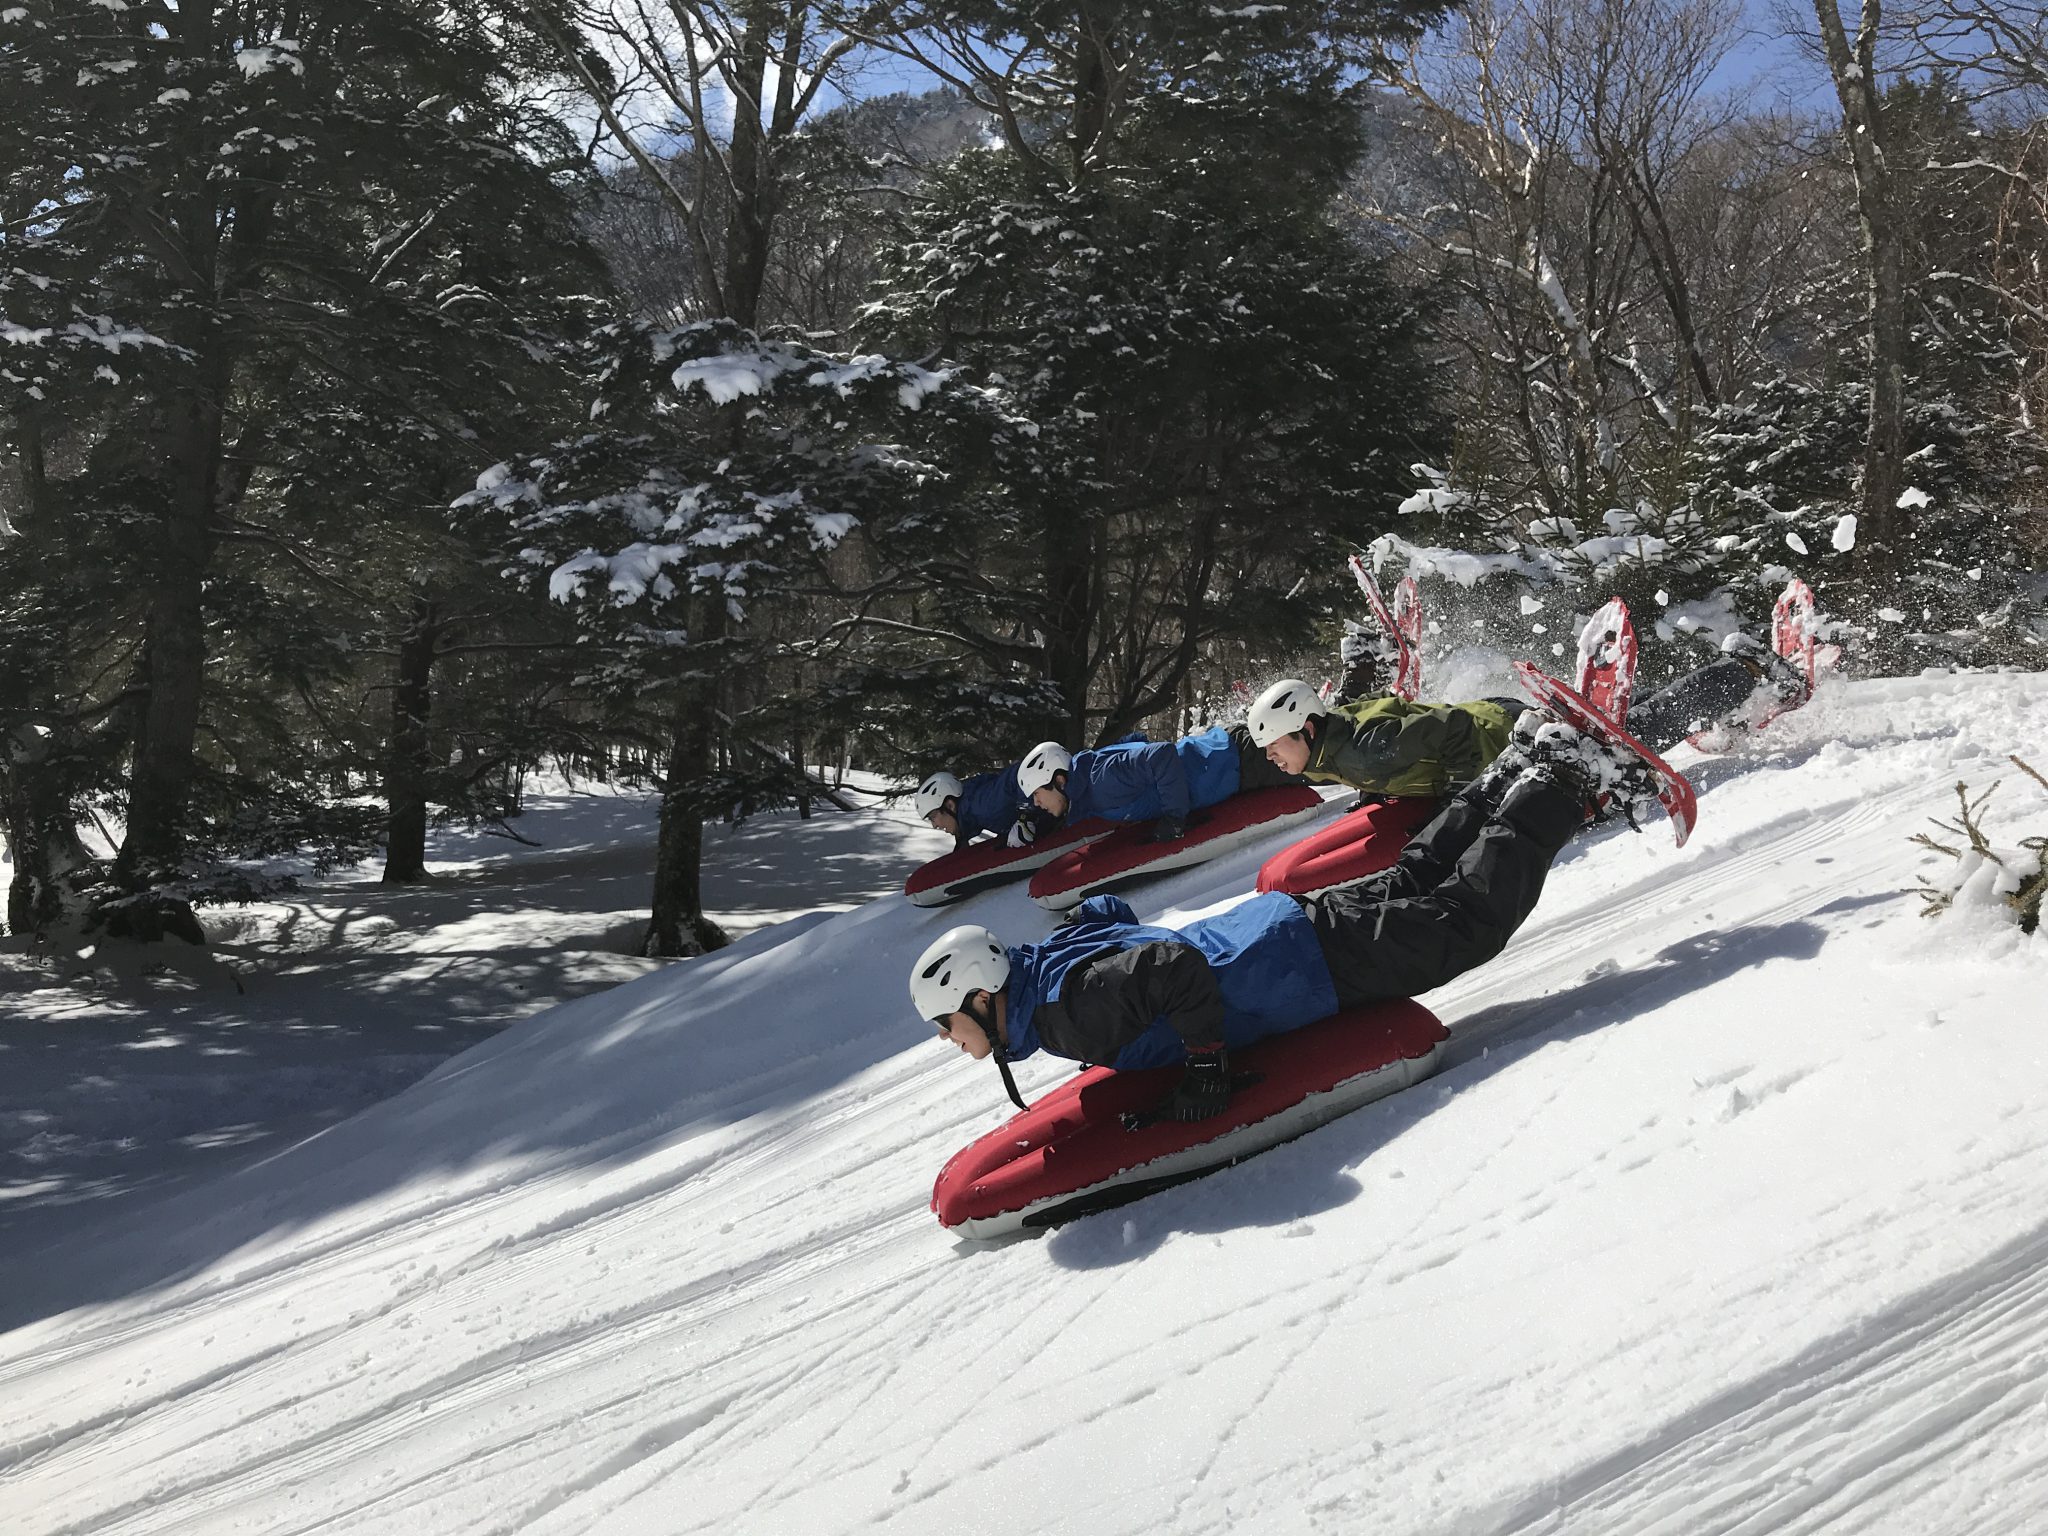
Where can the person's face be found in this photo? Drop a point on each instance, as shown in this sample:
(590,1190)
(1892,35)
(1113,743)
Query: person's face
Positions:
(1288,753)
(964,1030)
(947,817)
(1050,800)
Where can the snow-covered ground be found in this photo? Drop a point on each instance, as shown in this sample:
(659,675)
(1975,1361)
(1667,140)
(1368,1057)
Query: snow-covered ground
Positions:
(118,1081)
(1725,1213)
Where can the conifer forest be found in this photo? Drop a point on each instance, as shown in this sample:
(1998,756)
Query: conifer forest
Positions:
(398,395)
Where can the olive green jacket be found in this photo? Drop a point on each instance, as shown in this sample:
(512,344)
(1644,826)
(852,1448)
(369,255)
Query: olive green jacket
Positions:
(1387,746)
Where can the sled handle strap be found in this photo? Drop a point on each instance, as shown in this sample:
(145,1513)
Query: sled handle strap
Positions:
(1002,1059)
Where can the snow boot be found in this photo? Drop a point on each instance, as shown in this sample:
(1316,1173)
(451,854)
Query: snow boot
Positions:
(1371,658)
(1612,780)
(1785,679)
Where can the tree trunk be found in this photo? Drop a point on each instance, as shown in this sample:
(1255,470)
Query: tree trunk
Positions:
(1882,526)
(678,926)
(753,181)
(1646,209)
(1090,119)
(42,838)
(174,655)
(406,765)
(1069,602)
(164,761)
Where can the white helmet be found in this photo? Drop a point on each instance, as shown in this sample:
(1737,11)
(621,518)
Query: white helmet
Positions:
(959,961)
(935,791)
(1280,710)
(1040,764)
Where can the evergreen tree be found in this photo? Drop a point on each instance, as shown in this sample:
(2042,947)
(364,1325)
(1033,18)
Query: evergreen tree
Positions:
(723,478)
(267,266)
(1227,389)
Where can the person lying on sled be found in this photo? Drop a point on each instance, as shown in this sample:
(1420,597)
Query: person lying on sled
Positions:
(987,802)
(1381,744)
(1163,782)
(1108,990)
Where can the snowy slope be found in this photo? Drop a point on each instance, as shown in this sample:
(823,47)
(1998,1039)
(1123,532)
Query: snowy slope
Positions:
(1725,1214)
(130,1069)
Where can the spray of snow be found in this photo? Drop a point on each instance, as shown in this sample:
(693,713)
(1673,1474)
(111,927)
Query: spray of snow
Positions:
(1459,566)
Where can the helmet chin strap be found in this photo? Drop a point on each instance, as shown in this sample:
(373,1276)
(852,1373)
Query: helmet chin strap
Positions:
(999,1050)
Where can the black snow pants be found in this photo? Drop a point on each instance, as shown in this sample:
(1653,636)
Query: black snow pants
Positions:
(1718,692)
(1455,897)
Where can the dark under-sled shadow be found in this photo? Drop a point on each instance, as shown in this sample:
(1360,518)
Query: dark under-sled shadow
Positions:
(1271,1189)
(1302,1178)
(1614,995)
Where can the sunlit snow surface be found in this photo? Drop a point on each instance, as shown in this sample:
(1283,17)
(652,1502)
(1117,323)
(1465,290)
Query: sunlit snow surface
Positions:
(1728,1212)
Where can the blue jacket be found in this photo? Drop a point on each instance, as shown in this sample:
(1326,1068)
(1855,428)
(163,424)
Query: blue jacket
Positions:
(988,802)
(1141,780)
(1264,953)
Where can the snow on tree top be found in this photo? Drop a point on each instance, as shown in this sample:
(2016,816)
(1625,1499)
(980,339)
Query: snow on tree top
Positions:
(283,53)
(757,367)
(1433,499)
(728,377)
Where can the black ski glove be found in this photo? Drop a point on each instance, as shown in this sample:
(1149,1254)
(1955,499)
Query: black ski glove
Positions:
(1204,1088)
(1169,829)
(1204,1091)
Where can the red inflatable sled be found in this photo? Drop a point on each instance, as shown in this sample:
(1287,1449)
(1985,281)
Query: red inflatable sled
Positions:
(1359,843)
(1069,1155)
(989,862)
(1128,856)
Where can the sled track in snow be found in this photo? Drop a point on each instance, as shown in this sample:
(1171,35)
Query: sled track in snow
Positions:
(488,1270)
(547,1365)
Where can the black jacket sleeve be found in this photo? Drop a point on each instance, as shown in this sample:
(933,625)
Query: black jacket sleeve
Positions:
(1107,1002)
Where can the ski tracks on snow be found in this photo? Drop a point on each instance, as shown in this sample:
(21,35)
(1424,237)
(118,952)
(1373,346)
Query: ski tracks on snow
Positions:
(1865,1431)
(303,1414)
